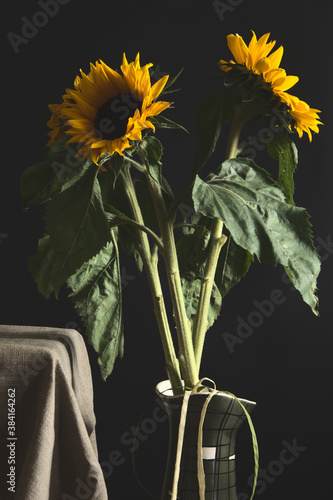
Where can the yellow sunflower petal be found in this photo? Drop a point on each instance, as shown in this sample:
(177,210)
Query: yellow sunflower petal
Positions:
(87,109)
(157,107)
(99,144)
(224,65)
(286,83)
(253,42)
(158,87)
(136,134)
(262,47)
(262,65)
(258,49)
(238,48)
(125,63)
(276,57)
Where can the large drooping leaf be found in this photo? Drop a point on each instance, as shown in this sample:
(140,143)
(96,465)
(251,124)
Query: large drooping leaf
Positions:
(39,182)
(283,150)
(259,219)
(96,292)
(213,112)
(77,227)
(234,262)
(62,168)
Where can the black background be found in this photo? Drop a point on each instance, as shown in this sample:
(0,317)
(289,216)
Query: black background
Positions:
(285,365)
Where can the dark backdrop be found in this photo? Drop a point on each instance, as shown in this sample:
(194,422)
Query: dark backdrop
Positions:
(285,363)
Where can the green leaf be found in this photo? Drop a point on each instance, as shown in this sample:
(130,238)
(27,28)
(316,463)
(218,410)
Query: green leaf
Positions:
(172,79)
(115,202)
(115,217)
(77,225)
(191,290)
(59,145)
(234,262)
(113,165)
(260,220)
(146,203)
(96,292)
(111,188)
(58,172)
(153,150)
(213,112)
(44,267)
(161,122)
(283,150)
(192,246)
(39,183)
(192,255)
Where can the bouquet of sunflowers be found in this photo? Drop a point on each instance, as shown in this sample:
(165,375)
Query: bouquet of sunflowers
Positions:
(105,192)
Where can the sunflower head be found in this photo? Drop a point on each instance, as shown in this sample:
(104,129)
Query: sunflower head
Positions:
(107,110)
(256,70)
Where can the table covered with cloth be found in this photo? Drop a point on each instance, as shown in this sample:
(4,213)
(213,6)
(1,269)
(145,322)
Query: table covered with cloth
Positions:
(48,445)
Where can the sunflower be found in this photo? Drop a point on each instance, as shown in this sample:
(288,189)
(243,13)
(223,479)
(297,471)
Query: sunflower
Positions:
(257,61)
(106,110)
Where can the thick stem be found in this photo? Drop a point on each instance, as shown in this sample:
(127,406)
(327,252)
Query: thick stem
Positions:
(184,334)
(200,326)
(150,265)
(244,112)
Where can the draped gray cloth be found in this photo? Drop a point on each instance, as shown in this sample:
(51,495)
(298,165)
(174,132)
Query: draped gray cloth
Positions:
(48,445)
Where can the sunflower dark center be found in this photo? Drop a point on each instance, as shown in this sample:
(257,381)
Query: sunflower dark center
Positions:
(112,118)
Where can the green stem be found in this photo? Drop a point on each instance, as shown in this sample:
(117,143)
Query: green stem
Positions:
(200,325)
(150,264)
(243,113)
(217,240)
(183,325)
(135,163)
(145,229)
